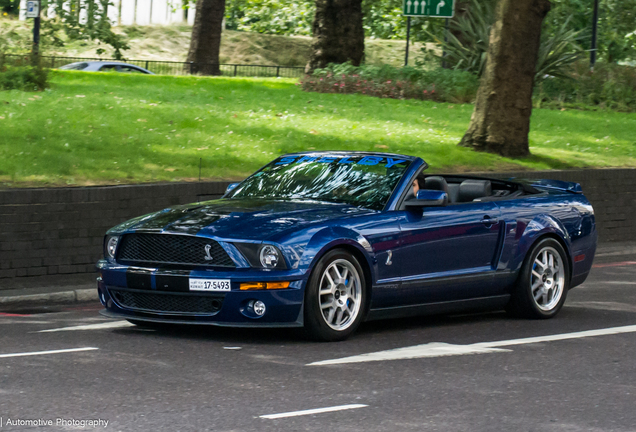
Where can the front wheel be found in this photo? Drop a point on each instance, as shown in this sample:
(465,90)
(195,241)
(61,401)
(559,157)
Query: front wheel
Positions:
(335,297)
(543,282)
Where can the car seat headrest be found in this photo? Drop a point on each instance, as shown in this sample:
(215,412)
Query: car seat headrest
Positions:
(436,183)
(472,189)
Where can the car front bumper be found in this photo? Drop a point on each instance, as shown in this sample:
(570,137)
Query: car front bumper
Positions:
(153,295)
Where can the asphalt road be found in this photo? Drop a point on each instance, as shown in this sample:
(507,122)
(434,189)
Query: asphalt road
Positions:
(228,379)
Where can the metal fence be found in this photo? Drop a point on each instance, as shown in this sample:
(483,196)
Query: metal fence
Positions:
(170,67)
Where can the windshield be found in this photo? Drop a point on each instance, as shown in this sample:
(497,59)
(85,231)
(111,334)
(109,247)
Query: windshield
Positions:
(360,180)
(75,66)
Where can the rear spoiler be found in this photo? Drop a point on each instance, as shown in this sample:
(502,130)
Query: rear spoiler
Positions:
(552,184)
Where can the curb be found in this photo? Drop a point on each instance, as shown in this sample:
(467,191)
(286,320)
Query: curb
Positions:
(75,296)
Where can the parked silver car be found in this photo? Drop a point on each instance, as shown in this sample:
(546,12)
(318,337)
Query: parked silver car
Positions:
(105,66)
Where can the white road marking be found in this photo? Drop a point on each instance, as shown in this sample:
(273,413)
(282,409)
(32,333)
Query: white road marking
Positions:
(313,411)
(613,306)
(442,349)
(102,326)
(618,282)
(434,349)
(47,352)
(16,321)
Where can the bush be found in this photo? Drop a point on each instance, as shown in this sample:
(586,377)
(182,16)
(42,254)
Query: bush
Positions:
(609,86)
(444,85)
(27,78)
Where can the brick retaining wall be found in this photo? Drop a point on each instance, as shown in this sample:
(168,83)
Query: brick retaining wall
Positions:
(60,231)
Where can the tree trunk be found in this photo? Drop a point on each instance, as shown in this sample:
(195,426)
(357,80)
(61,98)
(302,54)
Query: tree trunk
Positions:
(338,34)
(501,119)
(205,43)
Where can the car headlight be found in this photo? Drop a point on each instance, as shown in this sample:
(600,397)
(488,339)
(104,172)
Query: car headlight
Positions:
(110,246)
(262,255)
(269,256)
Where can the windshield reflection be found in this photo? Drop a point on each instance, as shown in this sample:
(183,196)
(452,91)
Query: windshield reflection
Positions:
(361,180)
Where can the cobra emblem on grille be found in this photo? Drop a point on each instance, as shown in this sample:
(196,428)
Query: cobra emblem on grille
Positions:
(208,257)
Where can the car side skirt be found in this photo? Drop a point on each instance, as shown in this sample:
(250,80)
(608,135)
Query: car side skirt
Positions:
(485,303)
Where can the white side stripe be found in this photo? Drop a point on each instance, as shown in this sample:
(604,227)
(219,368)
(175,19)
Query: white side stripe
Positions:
(312,411)
(106,325)
(47,352)
(442,349)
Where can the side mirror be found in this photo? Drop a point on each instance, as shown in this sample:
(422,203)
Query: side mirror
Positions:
(231,187)
(428,198)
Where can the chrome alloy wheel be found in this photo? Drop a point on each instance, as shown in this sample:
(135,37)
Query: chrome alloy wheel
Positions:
(547,278)
(340,294)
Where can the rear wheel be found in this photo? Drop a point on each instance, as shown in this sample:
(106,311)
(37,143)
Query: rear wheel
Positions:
(543,282)
(335,297)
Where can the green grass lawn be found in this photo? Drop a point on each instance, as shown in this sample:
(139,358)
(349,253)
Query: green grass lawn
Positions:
(109,128)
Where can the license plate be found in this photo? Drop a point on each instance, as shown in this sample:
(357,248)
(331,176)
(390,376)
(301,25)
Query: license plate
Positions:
(209,284)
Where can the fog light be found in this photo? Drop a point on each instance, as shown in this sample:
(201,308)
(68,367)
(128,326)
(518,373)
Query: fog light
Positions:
(259,308)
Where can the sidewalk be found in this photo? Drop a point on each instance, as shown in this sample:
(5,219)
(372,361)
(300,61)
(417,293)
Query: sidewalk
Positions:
(52,290)
(48,290)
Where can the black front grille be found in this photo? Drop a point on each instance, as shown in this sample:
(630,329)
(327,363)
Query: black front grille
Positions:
(168,249)
(167,303)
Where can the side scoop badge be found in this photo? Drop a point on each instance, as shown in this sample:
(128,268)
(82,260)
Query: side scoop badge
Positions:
(388,258)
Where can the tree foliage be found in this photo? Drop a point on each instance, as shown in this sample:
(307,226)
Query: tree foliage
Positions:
(467,43)
(382,19)
(283,17)
(616,25)
(82,20)
(9,7)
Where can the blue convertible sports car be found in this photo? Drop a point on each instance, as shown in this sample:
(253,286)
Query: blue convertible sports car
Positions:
(328,240)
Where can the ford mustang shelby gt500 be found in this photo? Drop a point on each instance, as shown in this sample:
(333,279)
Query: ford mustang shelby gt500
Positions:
(327,240)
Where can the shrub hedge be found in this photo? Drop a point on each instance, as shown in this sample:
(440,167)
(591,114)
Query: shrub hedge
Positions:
(610,86)
(27,78)
(444,85)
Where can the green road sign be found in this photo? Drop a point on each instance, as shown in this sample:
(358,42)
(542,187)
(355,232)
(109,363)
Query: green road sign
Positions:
(429,8)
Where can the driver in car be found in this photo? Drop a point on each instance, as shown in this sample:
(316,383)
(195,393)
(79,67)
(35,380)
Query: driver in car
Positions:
(416,186)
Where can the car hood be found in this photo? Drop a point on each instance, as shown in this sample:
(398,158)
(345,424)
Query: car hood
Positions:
(253,219)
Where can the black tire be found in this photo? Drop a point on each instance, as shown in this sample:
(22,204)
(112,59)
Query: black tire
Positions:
(316,322)
(545,283)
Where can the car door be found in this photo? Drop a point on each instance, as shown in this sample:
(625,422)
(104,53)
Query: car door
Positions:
(448,253)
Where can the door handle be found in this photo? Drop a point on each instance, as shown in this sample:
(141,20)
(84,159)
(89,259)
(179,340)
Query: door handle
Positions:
(487,220)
